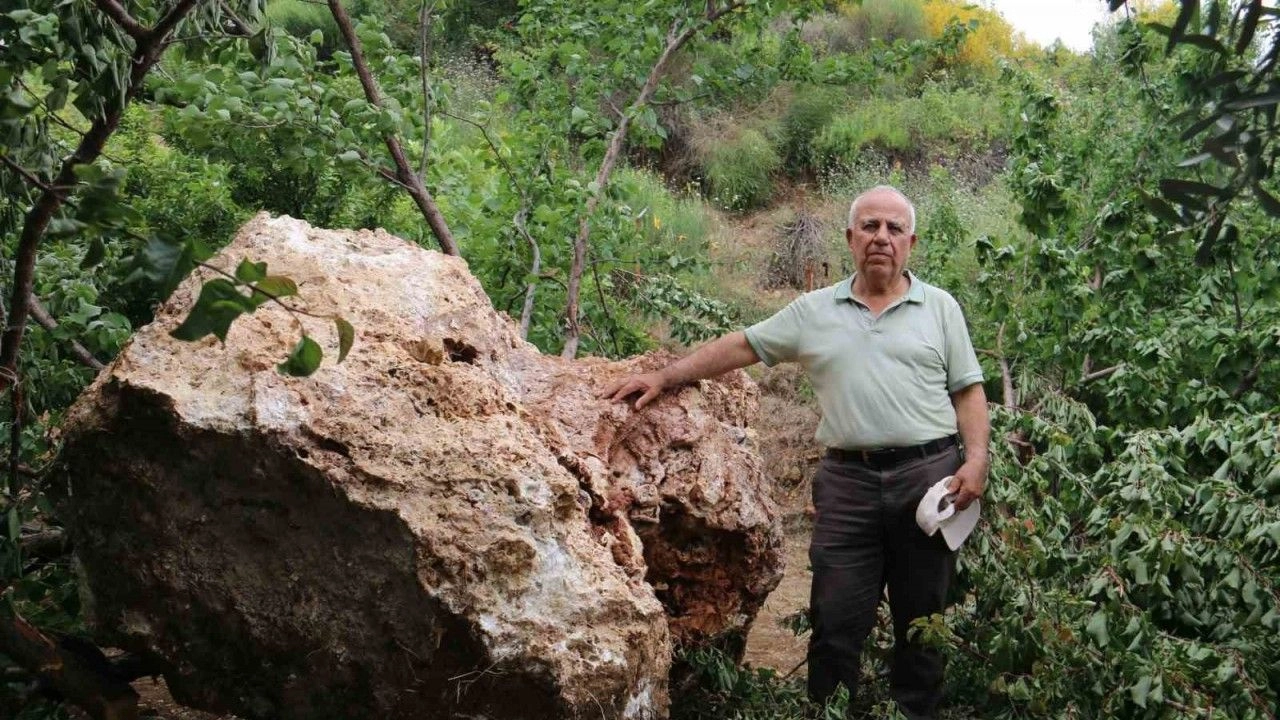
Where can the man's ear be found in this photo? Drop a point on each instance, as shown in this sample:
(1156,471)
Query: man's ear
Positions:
(913,241)
(848,236)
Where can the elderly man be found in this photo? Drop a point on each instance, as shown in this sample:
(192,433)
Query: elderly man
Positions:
(902,404)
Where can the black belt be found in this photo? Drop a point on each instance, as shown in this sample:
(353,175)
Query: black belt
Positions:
(888,457)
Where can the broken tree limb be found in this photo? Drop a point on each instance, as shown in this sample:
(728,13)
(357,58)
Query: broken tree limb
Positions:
(103,697)
(46,321)
(1099,374)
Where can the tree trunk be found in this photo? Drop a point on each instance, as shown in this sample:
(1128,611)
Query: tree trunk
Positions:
(411,181)
(676,39)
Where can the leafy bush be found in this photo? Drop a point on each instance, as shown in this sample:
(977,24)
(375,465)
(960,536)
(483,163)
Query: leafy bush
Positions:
(740,170)
(989,40)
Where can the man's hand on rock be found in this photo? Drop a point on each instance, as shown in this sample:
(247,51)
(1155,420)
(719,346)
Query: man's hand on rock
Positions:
(969,482)
(649,385)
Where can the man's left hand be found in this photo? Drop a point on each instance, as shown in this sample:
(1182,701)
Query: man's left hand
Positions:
(969,482)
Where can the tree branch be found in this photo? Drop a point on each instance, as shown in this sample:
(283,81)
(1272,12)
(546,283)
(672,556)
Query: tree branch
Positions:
(155,39)
(147,50)
(42,316)
(1247,382)
(676,39)
(241,27)
(425,14)
(521,216)
(104,698)
(412,181)
(117,13)
(1099,374)
(1006,378)
(24,173)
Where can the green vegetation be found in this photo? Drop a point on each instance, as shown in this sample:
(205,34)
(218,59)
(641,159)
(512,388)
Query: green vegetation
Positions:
(1105,220)
(939,121)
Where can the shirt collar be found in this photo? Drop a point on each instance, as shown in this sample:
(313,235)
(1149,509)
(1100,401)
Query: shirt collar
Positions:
(915,293)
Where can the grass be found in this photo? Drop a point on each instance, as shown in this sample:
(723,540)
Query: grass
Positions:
(937,122)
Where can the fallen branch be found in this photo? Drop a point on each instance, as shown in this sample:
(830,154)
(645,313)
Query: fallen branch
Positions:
(70,675)
(1099,374)
(46,321)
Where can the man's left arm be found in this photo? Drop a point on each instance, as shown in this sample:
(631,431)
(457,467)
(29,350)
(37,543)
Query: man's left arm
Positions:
(975,432)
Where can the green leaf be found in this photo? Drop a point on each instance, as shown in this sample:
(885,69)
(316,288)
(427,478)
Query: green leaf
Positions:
(1097,628)
(94,255)
(57,98)
(1268,201)
(250,272)
(346,337)
(166,262)
(219,304)
(317,38)
(1160,208)
(304,359)
(273,286)
(1254,101)
(350,156)
(1188,9)
(1206,42)
(1140,691)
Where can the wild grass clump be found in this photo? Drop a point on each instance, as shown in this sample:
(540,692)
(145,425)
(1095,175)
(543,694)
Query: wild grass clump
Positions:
(937,122)
(886,20)
(739,170)
(852,27)
(810,108)
(677,224)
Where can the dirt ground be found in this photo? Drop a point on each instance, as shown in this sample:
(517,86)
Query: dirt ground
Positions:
(770,644)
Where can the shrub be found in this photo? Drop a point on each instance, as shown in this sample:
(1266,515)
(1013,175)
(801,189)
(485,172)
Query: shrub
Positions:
(982,46)
(887,20)
(739,170)
(807,114)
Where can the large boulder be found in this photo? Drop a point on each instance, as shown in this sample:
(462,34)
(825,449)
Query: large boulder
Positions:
(447,524)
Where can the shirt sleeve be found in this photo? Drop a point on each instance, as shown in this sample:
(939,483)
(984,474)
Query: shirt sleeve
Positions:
(963,369)
(777,338)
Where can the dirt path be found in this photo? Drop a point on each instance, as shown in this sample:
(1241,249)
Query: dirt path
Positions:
(770,644)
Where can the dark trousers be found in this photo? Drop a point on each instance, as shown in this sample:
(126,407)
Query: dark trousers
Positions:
(865,538)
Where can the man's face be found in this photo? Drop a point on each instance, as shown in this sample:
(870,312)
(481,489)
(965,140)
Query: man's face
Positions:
(880,237)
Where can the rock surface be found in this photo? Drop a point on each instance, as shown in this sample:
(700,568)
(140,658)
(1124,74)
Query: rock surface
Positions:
(446,524)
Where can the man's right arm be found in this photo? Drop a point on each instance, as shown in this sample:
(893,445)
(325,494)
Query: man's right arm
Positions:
(728,352)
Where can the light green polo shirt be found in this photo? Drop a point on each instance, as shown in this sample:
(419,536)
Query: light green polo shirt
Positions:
(880,381)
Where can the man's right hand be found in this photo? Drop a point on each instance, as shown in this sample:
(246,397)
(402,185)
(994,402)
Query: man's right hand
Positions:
(649,385)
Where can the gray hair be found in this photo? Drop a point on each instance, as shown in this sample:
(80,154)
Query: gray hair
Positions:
(911,208)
